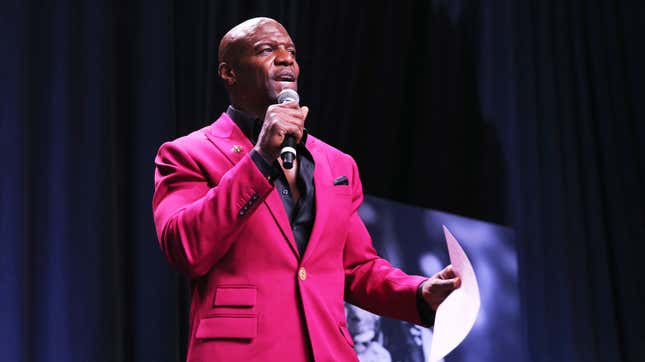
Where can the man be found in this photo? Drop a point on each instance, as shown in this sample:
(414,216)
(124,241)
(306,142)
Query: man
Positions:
(367,333)
(272,252)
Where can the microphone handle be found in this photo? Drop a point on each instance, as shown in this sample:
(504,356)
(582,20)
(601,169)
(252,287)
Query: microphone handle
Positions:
(288,152)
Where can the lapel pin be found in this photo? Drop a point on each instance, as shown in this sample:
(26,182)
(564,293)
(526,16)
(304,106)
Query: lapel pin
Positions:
(236,148)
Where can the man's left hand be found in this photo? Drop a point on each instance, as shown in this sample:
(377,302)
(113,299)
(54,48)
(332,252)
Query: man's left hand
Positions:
(439,286)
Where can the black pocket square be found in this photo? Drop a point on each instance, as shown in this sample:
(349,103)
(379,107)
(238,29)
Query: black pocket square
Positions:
(342,180)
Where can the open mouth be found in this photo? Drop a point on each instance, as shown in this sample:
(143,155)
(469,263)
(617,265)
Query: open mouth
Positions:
(285,77)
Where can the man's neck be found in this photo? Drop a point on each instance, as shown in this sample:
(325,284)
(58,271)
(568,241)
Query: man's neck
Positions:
(255,111)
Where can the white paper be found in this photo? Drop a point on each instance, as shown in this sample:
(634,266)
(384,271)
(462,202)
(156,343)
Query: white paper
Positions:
(457,314)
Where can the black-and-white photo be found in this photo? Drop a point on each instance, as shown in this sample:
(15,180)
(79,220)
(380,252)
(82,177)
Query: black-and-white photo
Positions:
(412,239)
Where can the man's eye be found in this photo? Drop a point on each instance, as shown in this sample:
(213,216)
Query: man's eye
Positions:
(266,50)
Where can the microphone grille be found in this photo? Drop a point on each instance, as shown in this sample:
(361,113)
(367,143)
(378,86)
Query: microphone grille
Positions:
(288,95)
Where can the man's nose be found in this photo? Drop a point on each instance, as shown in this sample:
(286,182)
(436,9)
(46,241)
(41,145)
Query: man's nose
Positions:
(283,57)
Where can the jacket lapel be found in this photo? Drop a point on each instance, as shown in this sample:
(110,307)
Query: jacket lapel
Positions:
(322,182)
(229,139)
(232,142)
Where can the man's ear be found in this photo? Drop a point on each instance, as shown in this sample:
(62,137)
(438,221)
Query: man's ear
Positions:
(227,73)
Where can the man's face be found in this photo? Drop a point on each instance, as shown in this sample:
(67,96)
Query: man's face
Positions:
(267,64)
(361,323)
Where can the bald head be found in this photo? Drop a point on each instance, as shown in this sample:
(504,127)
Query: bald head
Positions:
(235,40)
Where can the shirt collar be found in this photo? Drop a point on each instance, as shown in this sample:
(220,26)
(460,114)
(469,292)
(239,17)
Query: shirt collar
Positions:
(248,123)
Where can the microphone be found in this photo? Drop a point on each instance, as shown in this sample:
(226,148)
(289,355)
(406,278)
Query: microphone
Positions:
(288,152)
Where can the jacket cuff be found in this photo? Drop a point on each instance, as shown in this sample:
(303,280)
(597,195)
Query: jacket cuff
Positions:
(426,314)
(270,172)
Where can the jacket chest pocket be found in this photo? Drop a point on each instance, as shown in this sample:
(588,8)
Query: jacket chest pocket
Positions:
(235,296)
(233,315)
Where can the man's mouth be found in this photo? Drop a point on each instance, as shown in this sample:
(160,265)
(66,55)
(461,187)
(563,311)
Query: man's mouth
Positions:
(285,76)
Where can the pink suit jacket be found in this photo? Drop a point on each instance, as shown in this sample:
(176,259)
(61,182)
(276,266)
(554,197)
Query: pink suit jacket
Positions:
(254,297)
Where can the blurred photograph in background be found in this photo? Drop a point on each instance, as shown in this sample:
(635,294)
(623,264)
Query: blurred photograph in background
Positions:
(412,239)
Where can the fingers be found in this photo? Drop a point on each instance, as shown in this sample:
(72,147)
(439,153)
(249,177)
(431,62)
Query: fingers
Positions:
(288,112)
(436,286)
(281,120)
(449,274)
(291,109)
(441,285)
(289,104)
(291,129)
(436,290)
(287,123)
(446,273)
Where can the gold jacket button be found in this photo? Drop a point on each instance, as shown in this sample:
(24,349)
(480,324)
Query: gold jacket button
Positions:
(302,273)
(236,148)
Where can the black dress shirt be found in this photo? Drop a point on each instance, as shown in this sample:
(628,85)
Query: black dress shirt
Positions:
(301,214)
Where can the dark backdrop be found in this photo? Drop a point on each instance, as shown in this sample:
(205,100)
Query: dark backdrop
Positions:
(528,114)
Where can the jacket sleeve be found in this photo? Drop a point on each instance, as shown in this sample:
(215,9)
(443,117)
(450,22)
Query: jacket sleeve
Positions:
(196,223)
(371,282)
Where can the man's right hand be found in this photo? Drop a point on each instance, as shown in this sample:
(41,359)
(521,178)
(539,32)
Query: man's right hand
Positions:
(279,121)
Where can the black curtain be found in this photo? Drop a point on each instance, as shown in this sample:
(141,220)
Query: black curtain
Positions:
(527,114)
(578,172)
(86,99)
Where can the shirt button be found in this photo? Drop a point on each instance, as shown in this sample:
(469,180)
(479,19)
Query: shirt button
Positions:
(302,273)
(285,192)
